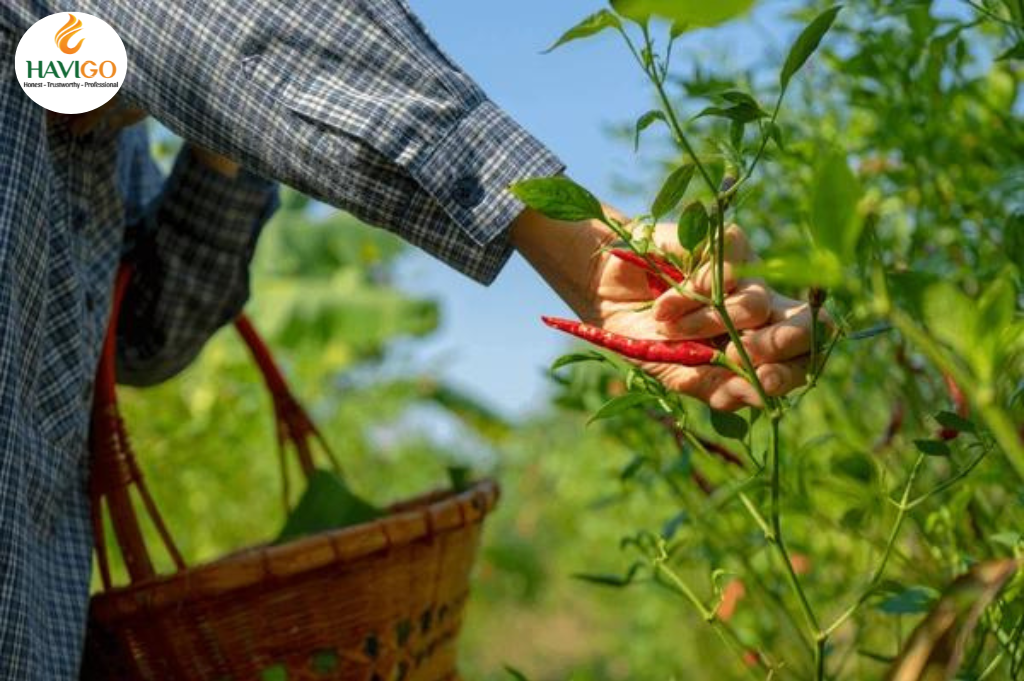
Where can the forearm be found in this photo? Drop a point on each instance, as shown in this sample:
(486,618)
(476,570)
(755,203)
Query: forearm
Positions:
(569,256)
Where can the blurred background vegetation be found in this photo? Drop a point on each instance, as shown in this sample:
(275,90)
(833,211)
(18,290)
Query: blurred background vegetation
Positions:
(931,120)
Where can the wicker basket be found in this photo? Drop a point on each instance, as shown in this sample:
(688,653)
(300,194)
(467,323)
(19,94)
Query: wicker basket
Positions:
(381,601)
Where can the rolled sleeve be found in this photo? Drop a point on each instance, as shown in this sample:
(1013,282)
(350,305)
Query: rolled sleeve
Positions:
(469,171)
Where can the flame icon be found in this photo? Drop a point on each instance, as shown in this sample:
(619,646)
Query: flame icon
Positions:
(65,34)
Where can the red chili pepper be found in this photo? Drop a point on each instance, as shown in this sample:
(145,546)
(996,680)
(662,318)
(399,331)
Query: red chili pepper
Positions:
(960,405)
(654,281)
(688,353)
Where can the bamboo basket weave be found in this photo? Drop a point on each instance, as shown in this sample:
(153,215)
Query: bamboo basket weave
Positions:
(382,601)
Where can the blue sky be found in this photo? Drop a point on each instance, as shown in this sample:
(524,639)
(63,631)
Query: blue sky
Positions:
(491,341)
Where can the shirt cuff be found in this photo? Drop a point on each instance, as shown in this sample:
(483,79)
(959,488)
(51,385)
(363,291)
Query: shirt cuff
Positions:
(225,213)
(469,170)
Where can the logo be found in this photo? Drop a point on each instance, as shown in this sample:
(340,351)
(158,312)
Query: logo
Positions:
(65,34)
(71,63)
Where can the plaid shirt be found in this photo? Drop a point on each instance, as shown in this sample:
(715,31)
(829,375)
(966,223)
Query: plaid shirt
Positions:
(348,101)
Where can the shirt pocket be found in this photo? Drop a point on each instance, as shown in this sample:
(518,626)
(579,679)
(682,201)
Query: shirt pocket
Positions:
(380,96)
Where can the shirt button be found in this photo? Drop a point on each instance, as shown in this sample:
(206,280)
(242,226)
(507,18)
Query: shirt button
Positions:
(467,192)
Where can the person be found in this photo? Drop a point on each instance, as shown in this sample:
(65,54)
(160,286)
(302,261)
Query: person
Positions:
(350,102)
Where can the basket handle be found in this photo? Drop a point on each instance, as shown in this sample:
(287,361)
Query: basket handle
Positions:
(115,470)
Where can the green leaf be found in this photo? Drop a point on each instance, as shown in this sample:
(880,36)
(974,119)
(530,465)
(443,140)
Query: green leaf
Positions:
(644,122)
(728,425)
(742,113)
(806,43)
(693,225)
(615,581)
(1013,240)
(932,447)
(576,358)
(592,25)
(516,674)
(672,191)
(1015,52)
(687,12)
(327,504)
(559,198)
(632,468)
(815,267)
(672,525)
(909,601)
(775,134)
(619,405)
(948,419)
(835,225)
(951,316)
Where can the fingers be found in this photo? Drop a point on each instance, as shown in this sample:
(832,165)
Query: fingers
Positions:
(724,390)
(788,334)
(749,307)
(779,379)
(673,304)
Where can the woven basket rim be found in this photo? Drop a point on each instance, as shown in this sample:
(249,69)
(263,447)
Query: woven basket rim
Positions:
(421,517)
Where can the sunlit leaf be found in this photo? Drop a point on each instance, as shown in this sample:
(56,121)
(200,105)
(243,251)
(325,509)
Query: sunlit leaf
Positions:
(835,225)
(619,405)
(576,358)
(673,190)
(686,12)
(644,122)
(592,25)
(693,225)
(806,43)
(558,198)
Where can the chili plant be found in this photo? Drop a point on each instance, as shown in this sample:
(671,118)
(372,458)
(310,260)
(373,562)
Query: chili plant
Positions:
(952,474)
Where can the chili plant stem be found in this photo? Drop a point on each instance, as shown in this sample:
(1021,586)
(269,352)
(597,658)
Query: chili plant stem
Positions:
(723,629)
(876,576)
(815,634)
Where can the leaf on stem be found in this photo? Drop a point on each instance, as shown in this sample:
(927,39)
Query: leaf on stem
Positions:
(619,405)
(728,425)
(558,198)
(673,190)
(615,581)
(948,419)
(932,447)
(686,12)
(835,225)
(806,43)
(576,358)
(592,25)
(644,122)
(693,225)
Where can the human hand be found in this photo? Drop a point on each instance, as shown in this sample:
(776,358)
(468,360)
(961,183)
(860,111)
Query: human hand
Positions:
(615,295)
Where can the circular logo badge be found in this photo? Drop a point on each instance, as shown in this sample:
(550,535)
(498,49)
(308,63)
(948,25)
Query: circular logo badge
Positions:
(71,63)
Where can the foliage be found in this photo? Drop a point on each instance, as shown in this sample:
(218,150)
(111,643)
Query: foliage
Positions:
(895,175)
